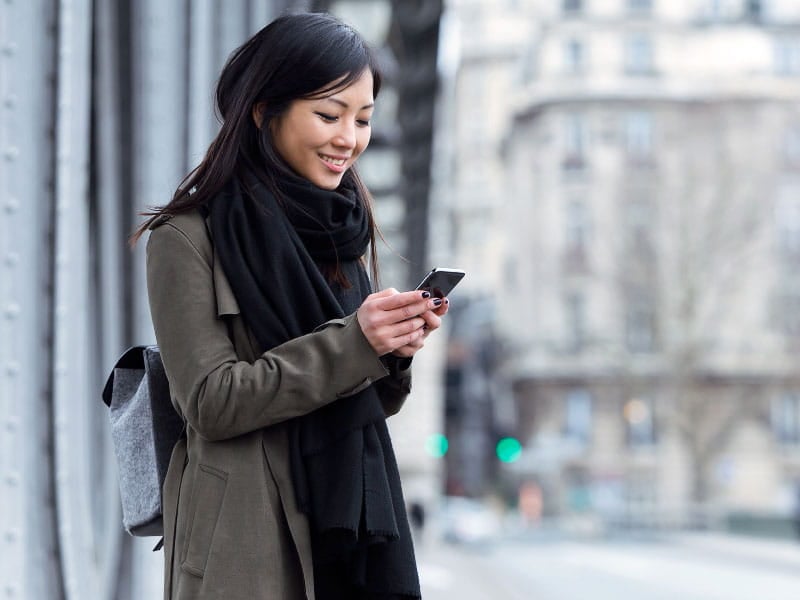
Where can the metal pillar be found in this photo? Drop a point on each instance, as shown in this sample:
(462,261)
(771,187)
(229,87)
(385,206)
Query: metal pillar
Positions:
(414,40)
(86,143)
(26,486)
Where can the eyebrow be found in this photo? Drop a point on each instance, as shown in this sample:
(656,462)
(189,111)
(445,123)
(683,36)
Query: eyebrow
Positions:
(344,104)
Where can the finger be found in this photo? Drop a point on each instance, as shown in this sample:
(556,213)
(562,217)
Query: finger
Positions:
(401,299)
(408,326)
(442,309)
(411,310)
(389,337)
(384,293)
(410,349)
(432,320)
(408,338)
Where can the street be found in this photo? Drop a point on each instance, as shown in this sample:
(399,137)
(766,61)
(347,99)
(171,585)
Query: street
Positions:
(689,567)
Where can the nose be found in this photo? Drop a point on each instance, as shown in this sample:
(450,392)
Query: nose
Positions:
(346,135)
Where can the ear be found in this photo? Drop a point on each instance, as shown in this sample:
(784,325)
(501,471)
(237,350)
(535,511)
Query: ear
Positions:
(258,113)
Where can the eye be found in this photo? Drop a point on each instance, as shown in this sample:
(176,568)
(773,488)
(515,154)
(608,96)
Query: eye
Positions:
(326,117)
(363,122)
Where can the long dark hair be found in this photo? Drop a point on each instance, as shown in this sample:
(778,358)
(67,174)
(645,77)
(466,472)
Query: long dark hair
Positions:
(296,56)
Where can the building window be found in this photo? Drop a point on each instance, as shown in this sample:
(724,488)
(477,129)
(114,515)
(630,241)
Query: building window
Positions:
(574,57)
(640,430)
(787,222)
(639,55)
(715,10)
(791,147)
(787,57)
(641,500)
(574,142)
(786,418)
(640,325)
(576,233)
(639,138)
(575,308)
(638,217)
(753,10)
(577,226)
(789,311)
(578,416)
(572,7)
(640,7)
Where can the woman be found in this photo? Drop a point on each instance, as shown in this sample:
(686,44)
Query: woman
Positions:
(281,361)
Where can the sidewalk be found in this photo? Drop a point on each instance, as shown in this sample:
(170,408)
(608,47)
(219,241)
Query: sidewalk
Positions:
(785,552)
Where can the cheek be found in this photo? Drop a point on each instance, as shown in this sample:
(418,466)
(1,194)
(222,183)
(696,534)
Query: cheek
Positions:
(363,140)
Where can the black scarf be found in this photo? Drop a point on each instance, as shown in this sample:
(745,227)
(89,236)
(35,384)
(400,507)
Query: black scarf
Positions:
(343,466)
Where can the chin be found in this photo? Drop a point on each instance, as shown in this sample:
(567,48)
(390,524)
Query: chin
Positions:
(326,183)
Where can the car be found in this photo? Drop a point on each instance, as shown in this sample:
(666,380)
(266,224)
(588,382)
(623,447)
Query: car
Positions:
(467,521)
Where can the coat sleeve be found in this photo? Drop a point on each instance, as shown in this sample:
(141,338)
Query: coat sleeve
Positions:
(220,395)
(395,388)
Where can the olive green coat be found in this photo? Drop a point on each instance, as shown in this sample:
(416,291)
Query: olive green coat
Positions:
(232,528)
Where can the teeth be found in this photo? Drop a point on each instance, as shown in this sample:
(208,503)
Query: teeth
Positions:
(334,161)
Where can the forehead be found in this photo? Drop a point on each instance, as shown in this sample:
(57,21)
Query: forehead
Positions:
(358,93)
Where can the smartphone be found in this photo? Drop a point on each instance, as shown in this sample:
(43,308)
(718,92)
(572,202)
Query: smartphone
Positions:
(440,282)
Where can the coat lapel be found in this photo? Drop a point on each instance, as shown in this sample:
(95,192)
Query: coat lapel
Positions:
(226,301)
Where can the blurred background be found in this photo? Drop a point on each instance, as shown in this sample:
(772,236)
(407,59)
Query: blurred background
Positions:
(614,405)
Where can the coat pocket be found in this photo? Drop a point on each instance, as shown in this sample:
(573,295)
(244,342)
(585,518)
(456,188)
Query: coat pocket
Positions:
(207,495)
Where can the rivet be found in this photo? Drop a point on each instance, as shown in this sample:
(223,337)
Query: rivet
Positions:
(11,536)
(10,101)
(11,424)
(11,153)
(12,479)
(12,205)
(10,49)
(12,259)
(12,368)
(11,311)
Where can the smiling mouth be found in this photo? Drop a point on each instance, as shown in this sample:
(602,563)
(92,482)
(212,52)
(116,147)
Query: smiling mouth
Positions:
(336,162)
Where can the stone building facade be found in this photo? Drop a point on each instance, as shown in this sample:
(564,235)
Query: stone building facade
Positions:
(648,212)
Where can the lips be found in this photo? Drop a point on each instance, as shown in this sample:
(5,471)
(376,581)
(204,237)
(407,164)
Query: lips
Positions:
(332,160)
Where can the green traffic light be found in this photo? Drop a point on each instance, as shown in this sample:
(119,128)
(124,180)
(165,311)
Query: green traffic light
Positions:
(436,445)
(508,450)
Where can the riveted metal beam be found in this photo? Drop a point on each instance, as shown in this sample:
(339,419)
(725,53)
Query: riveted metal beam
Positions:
(28,542)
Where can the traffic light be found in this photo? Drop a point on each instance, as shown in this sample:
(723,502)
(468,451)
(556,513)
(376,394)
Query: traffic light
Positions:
(508,449)
(436,445)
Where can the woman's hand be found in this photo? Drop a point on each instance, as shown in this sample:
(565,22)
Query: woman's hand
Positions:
(398,322)
(433,320)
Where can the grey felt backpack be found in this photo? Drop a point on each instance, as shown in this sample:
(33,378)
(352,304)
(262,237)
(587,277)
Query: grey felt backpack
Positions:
(144,428)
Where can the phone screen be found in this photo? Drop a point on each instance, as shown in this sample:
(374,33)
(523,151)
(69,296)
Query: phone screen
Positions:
(440,282)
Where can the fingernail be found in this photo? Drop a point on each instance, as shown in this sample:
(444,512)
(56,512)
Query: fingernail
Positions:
(437,301)
(426,294)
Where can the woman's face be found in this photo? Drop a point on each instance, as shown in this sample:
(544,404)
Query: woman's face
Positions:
(321,138)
